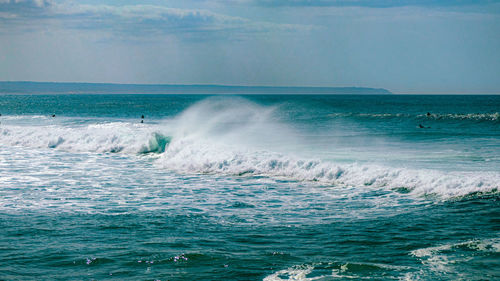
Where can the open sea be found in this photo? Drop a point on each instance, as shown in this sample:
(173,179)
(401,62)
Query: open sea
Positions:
(250,187)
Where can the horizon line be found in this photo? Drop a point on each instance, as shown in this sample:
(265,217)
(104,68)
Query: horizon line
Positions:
(410,92)
(187,84)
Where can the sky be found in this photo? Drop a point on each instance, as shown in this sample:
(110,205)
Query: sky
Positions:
(405,46)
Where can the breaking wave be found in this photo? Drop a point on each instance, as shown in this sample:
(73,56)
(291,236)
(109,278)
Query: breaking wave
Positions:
(233,136)
(194,157)
(221,136)
(112,137)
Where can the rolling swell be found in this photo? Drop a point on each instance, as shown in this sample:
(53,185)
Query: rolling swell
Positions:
(450,117)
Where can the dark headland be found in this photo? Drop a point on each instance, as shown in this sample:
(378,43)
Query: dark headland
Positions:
(107,88)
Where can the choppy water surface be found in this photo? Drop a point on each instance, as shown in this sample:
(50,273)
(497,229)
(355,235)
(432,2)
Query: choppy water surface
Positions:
(266,187)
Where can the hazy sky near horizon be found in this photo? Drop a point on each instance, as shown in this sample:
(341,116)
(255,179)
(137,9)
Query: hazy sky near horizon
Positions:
(406,46)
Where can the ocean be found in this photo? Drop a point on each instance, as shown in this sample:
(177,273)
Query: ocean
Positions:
(249,187)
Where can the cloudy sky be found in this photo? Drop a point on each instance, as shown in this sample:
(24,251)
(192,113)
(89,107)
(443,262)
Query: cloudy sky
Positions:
(406,46)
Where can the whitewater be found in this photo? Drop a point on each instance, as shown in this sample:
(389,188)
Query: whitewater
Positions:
(228,136)
(205,186)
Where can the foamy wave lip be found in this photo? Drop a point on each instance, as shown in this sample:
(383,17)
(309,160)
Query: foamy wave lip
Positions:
(468,116)
(196,156)
(436,116)
(16,117)
(111,137)
(201,145)
(369,115)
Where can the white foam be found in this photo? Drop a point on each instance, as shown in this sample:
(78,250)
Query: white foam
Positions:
(486,245)
(106,137)
(327,271)
(457,116)
(17,117)
(193,155)
(448,257)
(222,136)
(469,116)
(232,136)
(297,273)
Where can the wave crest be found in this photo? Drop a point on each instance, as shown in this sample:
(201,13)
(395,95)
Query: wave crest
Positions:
(233,136)
(187,156)
(101,138)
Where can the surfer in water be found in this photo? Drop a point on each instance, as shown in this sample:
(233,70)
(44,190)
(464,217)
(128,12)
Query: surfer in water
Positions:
(142,118)
(422,126)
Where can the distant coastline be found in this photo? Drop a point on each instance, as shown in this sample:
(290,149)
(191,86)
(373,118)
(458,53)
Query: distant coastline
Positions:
(27,87)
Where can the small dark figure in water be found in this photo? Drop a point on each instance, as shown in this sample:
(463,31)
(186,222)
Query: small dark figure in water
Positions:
(142,116)
(423,127)
(53,115)
(428,114)
(142,121)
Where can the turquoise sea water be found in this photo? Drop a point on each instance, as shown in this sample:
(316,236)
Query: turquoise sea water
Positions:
(258,187)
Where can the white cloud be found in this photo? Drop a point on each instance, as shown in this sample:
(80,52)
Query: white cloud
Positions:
(38,3)
(131,19)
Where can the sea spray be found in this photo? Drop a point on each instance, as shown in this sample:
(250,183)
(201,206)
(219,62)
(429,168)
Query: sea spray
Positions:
(234,136)
(224,136)
(90,192)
